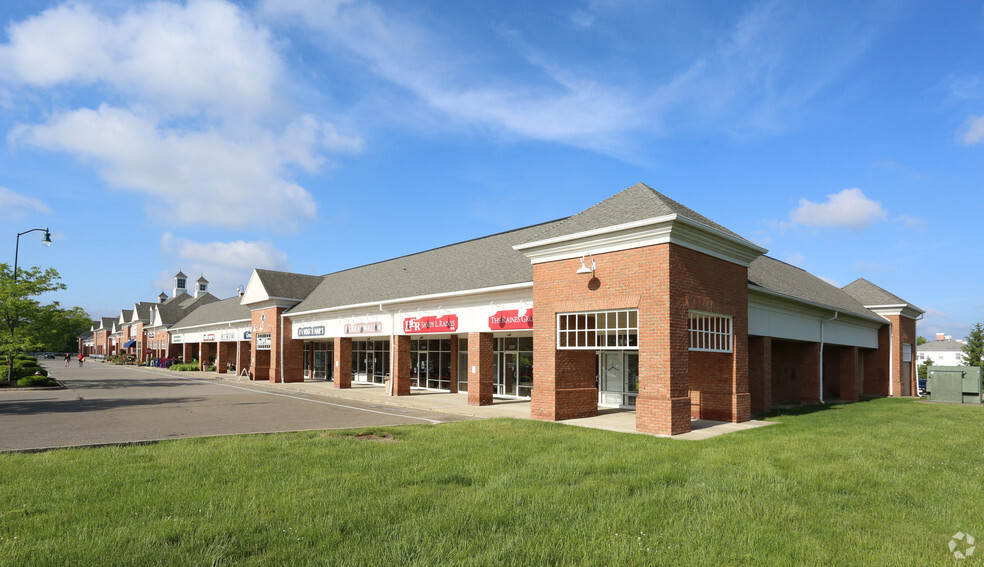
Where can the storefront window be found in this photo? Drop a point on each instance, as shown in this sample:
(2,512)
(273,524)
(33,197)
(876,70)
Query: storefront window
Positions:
(370,361)
(430,364)
(598,330)
(462,365)
(512,362)
(319,357)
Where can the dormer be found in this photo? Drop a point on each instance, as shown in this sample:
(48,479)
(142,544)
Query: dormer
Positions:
(201,286)
(162,297)
(180,283)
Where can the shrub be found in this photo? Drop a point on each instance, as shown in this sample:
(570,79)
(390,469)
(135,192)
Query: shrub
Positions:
(184,367)
(21,372)
(36,381)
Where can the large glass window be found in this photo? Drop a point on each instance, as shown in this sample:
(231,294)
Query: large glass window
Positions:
(319,360)
(370,361)
(430,363)
(598,330)
(512,362)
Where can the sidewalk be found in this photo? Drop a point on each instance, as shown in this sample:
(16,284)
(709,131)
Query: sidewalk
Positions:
(620,420)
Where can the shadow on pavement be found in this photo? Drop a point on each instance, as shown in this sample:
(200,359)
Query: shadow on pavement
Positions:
(35,407)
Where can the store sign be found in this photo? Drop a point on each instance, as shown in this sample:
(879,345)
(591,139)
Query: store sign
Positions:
(368,328)
(263,341)
(311,331)
(208,338)
(247,335)
(510,319)
(433,324)
(227,337)
(176,339)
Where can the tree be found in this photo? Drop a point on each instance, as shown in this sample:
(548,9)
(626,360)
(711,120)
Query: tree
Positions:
(921,340)
(923,370)
(974,349)
(58,329)
(20,314)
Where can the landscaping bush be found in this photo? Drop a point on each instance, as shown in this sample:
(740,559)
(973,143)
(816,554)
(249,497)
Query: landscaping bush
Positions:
(21,371)
(34,380)
(184,367)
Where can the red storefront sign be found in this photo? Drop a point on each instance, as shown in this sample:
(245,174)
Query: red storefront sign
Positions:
(209,338)
(510,319)
(432,324)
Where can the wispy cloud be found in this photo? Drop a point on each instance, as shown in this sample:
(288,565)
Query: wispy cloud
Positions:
(14,206)
(189,111)
(849,208)
(973,131)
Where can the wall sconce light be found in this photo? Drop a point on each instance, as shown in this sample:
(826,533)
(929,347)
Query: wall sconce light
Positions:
(584,269)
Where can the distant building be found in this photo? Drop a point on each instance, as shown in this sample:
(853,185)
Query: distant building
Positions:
(944,351)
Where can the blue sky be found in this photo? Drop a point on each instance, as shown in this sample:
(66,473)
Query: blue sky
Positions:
(313,136)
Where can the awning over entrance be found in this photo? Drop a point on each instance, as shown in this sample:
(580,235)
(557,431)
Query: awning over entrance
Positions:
(129,343)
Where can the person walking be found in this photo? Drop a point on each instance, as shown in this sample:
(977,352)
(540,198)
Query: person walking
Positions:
(81,358)
(68,357)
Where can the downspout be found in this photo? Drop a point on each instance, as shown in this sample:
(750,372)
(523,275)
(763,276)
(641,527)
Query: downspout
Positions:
(836,313)
(281,348)
(891,359)
(915,357)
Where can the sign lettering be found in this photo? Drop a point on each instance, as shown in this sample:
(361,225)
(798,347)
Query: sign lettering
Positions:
(263,341)
(208,338)
(511,319)
(371,327)
(311,331)
(432,324)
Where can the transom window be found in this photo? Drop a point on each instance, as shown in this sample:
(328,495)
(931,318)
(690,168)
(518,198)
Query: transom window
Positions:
(598,330)
(710,332)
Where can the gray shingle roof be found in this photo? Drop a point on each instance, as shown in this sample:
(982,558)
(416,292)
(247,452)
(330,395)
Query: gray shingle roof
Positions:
(143,310)
(780,277)
(483,262)
(870,294)
(940,346)
(287,285)
(635,203)
(223,311)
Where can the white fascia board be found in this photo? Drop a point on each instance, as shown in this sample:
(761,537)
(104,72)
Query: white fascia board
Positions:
(902,309)
(449,294)
(637,234)
(215,325)
(802,306)
(274,302)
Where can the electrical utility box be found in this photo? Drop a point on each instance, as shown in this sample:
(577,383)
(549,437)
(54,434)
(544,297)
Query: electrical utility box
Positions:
(957,384)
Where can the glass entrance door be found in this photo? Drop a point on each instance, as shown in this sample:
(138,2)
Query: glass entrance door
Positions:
(506,377)
(618,374)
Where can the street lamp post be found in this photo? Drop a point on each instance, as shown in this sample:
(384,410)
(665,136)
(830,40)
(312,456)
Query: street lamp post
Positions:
(46,240)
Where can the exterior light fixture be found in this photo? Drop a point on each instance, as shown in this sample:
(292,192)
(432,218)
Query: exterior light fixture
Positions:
(584,269)
(45,240)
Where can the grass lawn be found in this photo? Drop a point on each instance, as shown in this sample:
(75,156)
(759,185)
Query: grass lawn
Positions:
(881,482)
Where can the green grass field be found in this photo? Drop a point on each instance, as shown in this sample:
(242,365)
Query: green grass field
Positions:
(882,482)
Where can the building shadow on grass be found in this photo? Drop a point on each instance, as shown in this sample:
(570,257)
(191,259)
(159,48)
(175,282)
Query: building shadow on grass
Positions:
(803,409)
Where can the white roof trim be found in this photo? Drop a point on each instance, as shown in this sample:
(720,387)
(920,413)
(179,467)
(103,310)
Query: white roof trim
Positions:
(646,232)
(478,291)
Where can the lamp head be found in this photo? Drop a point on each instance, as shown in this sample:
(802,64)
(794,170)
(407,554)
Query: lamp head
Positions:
(46,239)
(584,269)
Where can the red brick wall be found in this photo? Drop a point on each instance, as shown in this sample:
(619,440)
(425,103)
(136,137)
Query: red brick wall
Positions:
(905,333)
(480,351)
(795,372)
(400,379)
(848,369)
(876,364)
(710,385)
(760,373)
(663,282)
(343,362)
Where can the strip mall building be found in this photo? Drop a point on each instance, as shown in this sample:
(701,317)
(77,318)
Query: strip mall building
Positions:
(639,303)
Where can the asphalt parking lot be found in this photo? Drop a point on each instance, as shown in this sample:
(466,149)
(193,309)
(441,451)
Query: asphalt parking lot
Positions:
(106,404)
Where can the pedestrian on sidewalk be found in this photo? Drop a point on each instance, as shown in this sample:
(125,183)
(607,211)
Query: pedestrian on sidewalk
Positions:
(68,357)
(81,358)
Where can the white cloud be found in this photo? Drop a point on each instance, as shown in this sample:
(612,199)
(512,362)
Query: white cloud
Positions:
(848,208)
(194,177)
(225,265)
(973,131)
(204,56)
(15,207)
(198,124)
(796,259)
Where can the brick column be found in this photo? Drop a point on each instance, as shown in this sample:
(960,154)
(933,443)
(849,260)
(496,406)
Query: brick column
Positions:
(222,357)
(480,368)
(454,365)
(343,362)
(809,365)
(400,378)
(186,353)
(293,353)
(242,356)
(760,373)
(847,370)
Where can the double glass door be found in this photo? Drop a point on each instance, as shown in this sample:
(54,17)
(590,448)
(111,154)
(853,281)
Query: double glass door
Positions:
(618,377)
(513,373)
